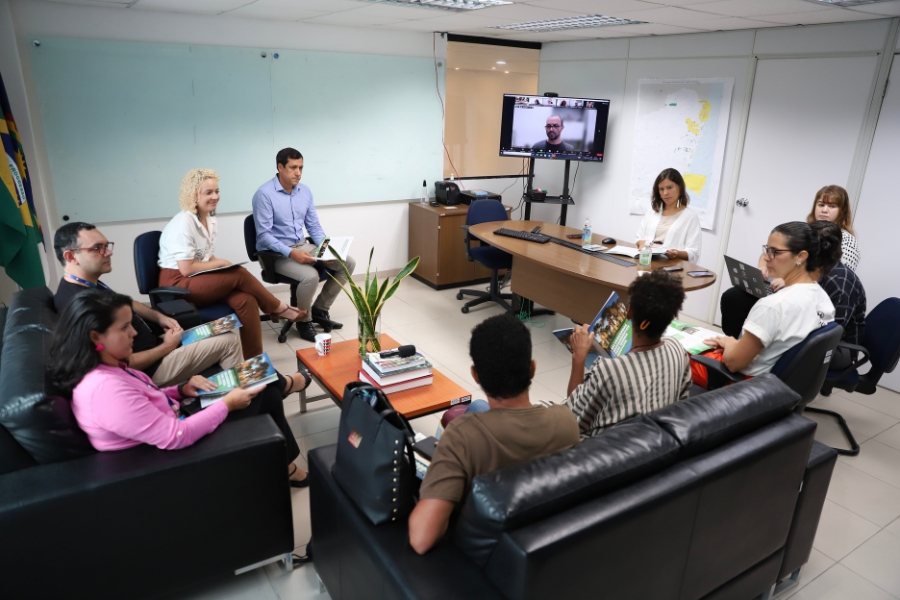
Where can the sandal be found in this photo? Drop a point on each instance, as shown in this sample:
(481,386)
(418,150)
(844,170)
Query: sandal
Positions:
(298,483)
(289,387)
(291,313)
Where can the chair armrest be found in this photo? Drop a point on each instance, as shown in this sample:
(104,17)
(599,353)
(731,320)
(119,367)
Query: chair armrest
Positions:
(167,293)
(212,508)
(267,260)
(467,240)
(719,375)
(860,361)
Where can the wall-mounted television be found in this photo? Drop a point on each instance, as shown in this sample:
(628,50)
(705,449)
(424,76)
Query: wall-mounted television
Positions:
(563,128)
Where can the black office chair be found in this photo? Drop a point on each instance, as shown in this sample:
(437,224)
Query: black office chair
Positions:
(802,368)
(484,211)
(267,260)
(169,300)
(880,346)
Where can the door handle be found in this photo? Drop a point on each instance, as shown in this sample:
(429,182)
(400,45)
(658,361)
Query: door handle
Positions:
(742,202)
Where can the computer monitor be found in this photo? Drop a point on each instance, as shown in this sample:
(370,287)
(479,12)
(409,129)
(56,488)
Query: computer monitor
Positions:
(561,128)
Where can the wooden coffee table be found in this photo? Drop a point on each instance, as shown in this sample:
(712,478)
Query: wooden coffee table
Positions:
(342,365)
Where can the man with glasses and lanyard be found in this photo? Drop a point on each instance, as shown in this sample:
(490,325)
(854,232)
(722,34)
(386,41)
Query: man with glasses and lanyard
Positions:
(554,141)
(85,255)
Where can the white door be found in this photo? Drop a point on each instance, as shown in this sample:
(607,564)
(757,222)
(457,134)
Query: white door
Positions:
(878,212)
(805,119)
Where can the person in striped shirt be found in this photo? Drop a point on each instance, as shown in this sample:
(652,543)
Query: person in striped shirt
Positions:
(656,371)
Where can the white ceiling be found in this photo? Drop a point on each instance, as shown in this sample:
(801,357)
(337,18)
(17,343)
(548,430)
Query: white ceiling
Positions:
(664,17)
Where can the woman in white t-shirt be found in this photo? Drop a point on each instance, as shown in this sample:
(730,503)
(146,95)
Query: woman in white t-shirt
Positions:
(671,224)
(797,254)
(187,247)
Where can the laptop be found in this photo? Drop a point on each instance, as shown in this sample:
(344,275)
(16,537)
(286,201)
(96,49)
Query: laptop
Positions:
(748,278)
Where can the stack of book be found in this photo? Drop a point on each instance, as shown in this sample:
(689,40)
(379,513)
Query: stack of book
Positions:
(396,374)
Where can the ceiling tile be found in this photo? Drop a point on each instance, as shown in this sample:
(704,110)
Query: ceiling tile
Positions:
(423,25)
(650,29)
(597,7)
(689,3)
(667,15)
(729,24)
(888,9)
(758,8)
(517,13)
(397,12)
(278,10)
(213,7)
(106,3)
(829,15)
(326,5)
(353,18)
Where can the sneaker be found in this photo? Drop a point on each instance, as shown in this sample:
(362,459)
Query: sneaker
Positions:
(307,331)
(324,319)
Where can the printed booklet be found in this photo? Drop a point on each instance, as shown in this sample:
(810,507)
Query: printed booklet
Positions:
(255,371)
(611,331)
(217,327)
(341,245)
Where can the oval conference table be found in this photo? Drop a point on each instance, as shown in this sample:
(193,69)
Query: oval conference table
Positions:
(568,281)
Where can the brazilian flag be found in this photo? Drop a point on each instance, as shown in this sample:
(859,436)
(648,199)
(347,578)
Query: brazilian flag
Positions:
(20,230)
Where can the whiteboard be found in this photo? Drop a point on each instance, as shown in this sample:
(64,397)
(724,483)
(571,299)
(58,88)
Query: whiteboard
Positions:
(124,121)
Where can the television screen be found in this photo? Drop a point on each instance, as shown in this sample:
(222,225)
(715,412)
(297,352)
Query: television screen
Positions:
(560,128)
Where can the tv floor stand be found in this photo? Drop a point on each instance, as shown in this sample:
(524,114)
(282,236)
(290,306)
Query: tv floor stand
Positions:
(563,200)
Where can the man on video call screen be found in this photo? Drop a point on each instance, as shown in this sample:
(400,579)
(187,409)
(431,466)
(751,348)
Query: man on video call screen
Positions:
(554,143)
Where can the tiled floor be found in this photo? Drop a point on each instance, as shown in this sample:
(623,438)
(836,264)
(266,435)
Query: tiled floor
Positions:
(857,548)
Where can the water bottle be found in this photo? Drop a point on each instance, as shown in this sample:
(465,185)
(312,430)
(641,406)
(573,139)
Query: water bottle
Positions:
(586,233)
(646,255)
(424,199)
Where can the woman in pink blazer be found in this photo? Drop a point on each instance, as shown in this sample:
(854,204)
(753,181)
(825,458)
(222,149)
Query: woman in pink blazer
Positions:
(118,407)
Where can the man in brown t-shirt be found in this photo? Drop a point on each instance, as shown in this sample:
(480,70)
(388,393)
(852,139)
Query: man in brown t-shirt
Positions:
(511,432)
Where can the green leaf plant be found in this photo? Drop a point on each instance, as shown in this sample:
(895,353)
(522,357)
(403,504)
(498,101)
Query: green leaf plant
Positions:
(369,299)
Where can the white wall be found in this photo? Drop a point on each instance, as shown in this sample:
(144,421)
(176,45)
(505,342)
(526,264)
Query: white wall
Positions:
(383,225)
(611,69)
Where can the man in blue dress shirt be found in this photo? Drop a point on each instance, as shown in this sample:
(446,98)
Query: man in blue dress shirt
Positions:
(282,207)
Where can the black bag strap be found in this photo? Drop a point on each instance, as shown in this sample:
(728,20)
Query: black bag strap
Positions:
(407,431)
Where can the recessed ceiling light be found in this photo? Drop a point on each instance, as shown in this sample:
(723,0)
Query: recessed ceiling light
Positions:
(580,22)
(507,72)
(457,5)
(457,68)
(501,62)
(493,68)
(846,3)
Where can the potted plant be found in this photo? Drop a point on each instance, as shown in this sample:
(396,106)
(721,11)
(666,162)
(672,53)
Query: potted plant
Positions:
(369,299)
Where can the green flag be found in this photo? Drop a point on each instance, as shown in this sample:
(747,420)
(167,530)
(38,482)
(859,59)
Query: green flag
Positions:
(20,230)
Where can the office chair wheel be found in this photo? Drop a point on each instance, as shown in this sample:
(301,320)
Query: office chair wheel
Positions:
(464,309)
(459,296)
(282,338)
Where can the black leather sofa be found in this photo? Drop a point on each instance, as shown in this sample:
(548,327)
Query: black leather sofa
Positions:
(138,523)
(712,498)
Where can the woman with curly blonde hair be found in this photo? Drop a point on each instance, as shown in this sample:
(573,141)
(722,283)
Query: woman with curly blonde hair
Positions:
(186,247)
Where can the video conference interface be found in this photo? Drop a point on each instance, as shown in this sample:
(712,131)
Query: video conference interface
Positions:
(560,128)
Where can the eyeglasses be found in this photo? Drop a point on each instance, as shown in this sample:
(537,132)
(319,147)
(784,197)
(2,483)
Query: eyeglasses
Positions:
(773,252)
(552,126)
(106,248)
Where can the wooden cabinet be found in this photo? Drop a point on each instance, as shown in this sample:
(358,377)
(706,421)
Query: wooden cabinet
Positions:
(435,236)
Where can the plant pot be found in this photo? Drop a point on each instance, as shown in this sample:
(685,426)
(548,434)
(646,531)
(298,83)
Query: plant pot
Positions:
(369,337)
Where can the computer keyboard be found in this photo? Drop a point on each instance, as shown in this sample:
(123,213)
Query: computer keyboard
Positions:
(540,238)
(612,259)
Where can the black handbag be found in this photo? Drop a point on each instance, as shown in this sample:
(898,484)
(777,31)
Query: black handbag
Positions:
(375,465)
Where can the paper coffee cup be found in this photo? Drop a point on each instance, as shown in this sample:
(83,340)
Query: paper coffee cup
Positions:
(323,344)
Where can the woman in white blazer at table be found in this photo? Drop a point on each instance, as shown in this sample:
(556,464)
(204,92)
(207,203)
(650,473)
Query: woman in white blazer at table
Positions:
(671,224)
